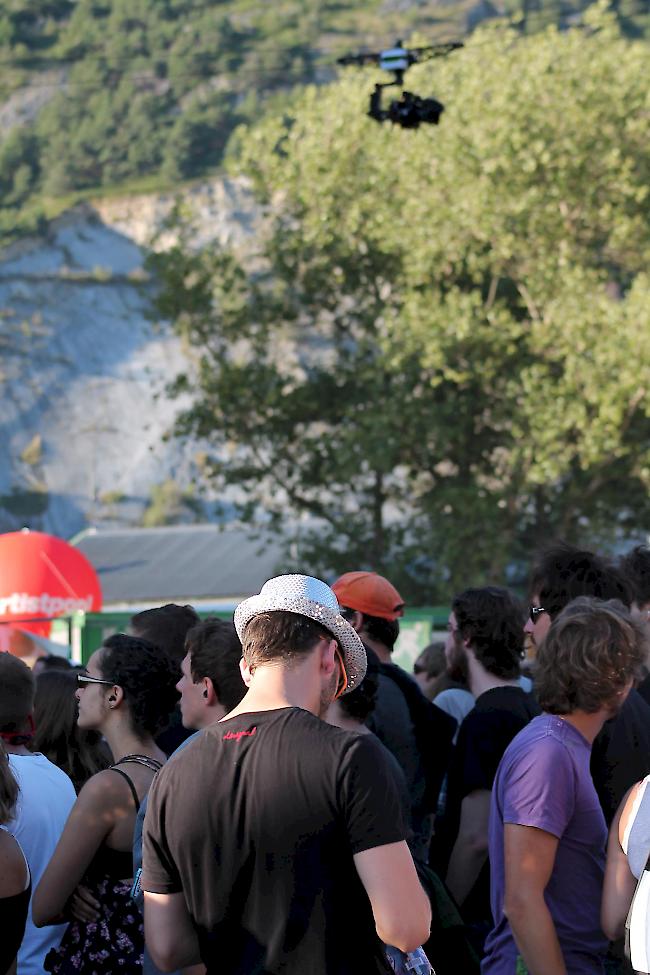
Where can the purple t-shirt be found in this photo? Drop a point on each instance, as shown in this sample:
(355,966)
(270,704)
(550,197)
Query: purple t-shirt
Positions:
(544,781)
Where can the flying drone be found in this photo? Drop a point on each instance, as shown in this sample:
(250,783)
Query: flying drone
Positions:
(410,110)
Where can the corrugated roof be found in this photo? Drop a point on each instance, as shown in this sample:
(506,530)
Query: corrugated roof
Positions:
(182,562)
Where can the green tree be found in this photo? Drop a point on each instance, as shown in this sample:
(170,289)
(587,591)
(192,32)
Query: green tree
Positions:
(440,353)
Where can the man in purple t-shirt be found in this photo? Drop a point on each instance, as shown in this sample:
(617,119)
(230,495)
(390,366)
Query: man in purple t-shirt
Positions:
(547,831)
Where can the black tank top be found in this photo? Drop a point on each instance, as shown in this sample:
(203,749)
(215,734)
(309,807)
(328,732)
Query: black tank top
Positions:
(118,864)
(13,911)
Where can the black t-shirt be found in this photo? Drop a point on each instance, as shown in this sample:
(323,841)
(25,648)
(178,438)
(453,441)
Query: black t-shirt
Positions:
(419,735)
(257,820)
(498,715)
(621,753)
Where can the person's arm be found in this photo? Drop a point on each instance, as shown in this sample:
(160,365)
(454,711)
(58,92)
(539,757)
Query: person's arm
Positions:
(400,907)
(529,857)
(168,931)
(471,847)
(620,883)
(95,812)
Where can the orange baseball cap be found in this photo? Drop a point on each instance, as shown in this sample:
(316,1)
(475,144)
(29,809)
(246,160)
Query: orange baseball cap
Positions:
(369,593)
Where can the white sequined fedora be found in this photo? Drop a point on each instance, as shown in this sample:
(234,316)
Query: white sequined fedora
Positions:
(308,597)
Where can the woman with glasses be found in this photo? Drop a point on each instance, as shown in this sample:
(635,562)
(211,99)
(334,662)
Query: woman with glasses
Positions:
(126,694)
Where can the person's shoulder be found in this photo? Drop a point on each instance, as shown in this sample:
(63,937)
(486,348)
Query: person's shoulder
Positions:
(545,740)
(104,788)
(478,721)
(39,769)
(458,694)
(312,732)
(356,750)
(629,807)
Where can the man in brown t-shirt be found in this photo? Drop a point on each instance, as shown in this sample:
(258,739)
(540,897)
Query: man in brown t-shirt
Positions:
(274,842)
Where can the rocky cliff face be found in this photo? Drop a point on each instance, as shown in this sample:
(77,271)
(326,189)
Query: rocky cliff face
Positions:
(84,370)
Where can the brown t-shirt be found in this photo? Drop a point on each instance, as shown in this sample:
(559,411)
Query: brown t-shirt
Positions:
(257,820)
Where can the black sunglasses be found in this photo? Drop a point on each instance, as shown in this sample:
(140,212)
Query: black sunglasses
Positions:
(83,679)
(534,612)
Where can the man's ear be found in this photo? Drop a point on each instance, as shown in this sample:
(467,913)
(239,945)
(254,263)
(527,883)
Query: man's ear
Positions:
(328,660)
(245,672)
(208,692)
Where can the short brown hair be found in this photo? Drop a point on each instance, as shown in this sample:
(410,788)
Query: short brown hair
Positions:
(591,652)
(280,635)
(8,788)
(215,652)
(16,693)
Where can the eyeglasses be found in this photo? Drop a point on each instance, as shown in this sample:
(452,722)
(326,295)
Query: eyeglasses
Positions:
(83,679)
(534,612)
(418,669)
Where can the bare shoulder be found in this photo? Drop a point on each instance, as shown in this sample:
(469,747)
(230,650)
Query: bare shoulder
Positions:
(103,788)
(626,808)
(13,872)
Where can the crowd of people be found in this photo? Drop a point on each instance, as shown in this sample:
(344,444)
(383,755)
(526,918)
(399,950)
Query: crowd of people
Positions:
(275,795)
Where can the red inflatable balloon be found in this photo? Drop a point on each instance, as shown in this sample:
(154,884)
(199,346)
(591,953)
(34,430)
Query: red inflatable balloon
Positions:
(42,577)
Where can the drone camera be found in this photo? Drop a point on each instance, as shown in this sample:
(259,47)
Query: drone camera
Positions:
(411,110)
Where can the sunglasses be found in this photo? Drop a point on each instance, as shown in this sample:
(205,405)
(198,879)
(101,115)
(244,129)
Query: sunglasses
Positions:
(418,669)
(534,612)
(83,679)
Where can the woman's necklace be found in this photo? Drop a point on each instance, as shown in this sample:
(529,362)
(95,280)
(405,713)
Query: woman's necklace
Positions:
(150,763)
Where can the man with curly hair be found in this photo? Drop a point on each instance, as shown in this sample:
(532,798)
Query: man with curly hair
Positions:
(621,753)
(547,830)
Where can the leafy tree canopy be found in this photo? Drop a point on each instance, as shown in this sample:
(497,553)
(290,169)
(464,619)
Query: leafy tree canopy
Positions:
(441,351)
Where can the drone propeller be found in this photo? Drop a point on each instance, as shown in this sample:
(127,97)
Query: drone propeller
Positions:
(400,58)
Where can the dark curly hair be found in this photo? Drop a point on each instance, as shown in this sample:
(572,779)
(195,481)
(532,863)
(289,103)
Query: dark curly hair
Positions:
(147,676)
(591,652)
(564,572)
(215,652)
(491,619)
